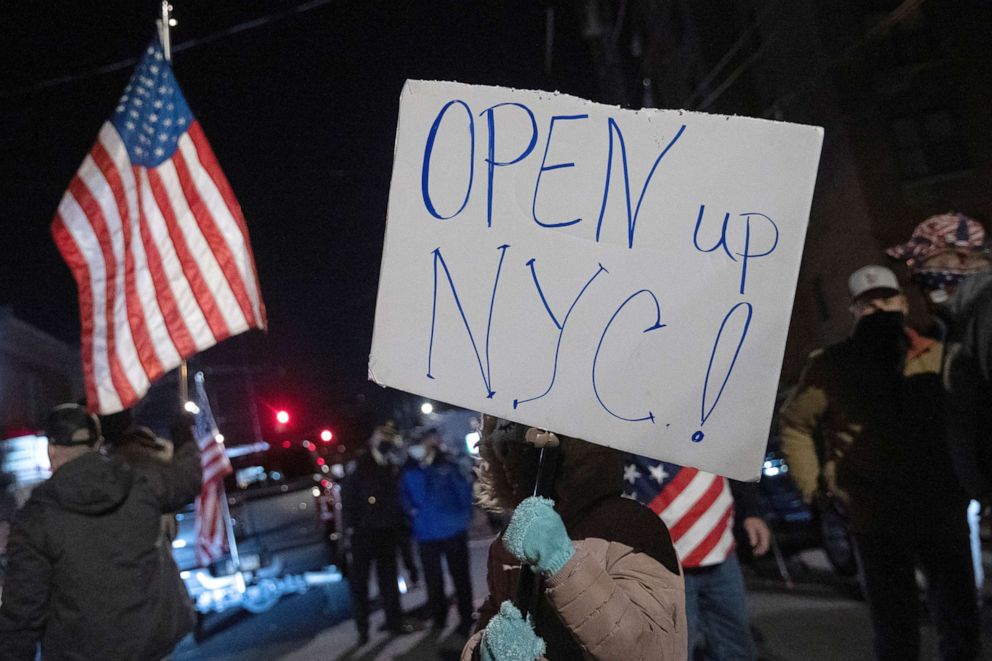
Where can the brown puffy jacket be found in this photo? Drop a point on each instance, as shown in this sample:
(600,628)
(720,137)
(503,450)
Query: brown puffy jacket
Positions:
(621,597)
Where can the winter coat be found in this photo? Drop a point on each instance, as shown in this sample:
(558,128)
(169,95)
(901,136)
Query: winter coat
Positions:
(437,497)
(621,596)
(874,439)
(370,496)
(139,454)
(968,380)
(87,574)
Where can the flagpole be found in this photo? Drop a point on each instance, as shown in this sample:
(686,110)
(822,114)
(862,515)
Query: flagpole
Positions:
(164,23)
(183,383)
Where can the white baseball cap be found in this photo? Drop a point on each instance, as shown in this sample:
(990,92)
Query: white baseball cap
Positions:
(872,277)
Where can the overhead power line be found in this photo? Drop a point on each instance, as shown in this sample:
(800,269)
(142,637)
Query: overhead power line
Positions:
(176,48)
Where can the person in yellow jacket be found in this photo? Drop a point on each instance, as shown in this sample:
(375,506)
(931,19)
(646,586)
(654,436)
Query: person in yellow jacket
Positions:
(865,426)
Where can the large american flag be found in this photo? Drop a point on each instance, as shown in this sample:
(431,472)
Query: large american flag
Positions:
(211,530)
(697,507)
(156,242)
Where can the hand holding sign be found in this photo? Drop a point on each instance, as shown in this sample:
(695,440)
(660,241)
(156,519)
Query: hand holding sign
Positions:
(624,277)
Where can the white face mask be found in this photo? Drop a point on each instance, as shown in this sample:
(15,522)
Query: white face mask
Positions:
(417,452)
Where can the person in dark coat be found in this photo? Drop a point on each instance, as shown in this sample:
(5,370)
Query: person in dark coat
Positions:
(437,496)
(865,426)
(140,448)
(949,260)
(374,522)
(87,578)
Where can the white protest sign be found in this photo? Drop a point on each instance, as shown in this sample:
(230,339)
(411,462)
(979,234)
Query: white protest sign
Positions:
(624,277)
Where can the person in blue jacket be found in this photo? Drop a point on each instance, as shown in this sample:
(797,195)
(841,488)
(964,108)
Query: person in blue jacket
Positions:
(437,496)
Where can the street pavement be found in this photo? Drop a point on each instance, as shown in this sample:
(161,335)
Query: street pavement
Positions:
(315,625)
(809,622)
(792,626)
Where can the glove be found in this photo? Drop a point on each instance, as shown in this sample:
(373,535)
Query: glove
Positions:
(537,536)
(182,429)
(508,637)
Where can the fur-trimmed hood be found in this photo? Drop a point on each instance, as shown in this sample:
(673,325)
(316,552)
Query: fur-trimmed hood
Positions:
(585,473)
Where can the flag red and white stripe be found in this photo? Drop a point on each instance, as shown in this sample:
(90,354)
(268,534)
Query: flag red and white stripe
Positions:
(211,533)
(158,246)
(698,509)
(211,527)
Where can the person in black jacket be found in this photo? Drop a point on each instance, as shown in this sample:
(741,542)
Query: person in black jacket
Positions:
(948,259)
(86,573)
(374,523)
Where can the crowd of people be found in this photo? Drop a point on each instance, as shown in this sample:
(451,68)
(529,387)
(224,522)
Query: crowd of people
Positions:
(892,427)
(887,429)
(632,558)
(393,490)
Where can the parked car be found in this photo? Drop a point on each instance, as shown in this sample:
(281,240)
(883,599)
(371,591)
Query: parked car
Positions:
(283,528)
(23,465)
(799,526)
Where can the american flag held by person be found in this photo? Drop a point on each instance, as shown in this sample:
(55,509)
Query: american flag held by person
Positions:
(156,242)
(697,507)
(211,529)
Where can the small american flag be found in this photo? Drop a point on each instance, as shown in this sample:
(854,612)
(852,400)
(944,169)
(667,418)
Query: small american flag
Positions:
(156,242)
(211,531)
(697,507)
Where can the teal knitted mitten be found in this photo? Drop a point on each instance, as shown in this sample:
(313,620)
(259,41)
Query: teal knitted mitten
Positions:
(508,637)
(537,536)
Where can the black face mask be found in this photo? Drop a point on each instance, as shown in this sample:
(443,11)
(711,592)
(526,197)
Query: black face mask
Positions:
(881,336)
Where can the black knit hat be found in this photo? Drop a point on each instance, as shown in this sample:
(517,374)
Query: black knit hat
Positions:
(71,424)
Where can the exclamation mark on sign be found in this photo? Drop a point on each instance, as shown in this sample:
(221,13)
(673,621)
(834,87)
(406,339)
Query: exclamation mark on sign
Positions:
(735,326)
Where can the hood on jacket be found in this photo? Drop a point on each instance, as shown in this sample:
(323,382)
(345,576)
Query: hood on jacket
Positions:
(92,484)
(586,473)
(960,304)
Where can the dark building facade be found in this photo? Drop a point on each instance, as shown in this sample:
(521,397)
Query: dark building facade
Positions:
(37,372)
(899,87)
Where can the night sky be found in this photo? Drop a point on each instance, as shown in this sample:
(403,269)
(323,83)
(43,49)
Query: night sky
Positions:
(301,113)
